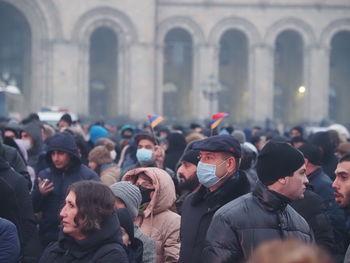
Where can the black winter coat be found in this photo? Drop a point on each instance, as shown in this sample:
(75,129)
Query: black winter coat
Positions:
(241,225)
(314,212)
(322,185)
(16,206)
(198,210)
(12,156)
(102,246)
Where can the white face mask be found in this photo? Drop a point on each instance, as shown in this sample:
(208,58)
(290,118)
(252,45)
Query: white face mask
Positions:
(26,144)
(113,154)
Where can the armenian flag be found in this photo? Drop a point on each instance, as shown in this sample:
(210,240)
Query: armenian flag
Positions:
(217,118)
(155,120)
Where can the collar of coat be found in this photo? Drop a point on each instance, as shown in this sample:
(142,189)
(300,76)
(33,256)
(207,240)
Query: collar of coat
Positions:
(109,233)
(234,187)
(272,200)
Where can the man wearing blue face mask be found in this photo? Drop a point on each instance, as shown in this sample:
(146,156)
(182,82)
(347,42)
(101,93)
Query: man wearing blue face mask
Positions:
(221,182)
(149,154)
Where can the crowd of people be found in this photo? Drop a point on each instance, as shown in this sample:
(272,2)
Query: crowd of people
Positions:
(99,193)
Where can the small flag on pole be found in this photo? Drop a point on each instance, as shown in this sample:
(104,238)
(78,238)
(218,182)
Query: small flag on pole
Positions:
(217,118)
(155,120)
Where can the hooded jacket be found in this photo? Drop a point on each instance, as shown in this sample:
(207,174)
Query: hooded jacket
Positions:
(50,204)
(102,246)
(244,223)
(34,130)
(159,223)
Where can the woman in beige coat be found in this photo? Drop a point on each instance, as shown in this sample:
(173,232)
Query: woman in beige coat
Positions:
(158,222)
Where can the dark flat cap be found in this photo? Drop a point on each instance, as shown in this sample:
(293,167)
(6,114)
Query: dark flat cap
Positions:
(219,143)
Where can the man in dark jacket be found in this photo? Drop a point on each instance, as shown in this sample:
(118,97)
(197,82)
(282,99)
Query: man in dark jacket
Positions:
(16,206)
(221,183)
(322,141)
(313,210)
(322,185)
(187,174)
(341,186)
(51,185)
(12,156)
(241,225)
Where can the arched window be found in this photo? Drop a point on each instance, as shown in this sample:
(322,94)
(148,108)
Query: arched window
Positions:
(103,73)
(339,86)
(15,55)
(233,74)
(177,78)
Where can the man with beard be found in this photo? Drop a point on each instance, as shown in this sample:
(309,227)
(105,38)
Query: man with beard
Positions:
(341,186)
(186,172)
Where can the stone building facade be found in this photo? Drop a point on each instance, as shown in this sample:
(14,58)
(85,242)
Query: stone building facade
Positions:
(187,57)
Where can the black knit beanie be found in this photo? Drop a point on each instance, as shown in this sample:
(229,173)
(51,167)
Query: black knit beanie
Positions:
(278,160)
(191,156)
(312,153)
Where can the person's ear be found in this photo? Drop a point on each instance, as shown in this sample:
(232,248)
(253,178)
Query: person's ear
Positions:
(283,180)
(231,164)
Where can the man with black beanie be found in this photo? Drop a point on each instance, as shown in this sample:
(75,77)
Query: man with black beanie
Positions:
(186,172)
(244,223)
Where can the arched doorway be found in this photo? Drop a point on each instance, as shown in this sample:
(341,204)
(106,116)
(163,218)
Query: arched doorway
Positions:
(233,74)
(103,73)
(288,83)
(177,78)
(339,92)
(15,56)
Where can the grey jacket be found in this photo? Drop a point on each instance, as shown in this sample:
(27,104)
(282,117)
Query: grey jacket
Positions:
(149,246)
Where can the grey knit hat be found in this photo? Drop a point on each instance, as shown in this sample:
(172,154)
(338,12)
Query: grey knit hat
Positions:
(130,195)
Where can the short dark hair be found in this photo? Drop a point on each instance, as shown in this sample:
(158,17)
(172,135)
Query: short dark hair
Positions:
(345,158)
(95,202)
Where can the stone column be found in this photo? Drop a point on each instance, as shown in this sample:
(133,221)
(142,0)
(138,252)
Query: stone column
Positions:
(141,99)
(66,90)
(261,81)
(318,88)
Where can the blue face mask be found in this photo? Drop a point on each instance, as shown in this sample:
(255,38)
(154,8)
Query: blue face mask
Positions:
(144,155)
(206,174)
